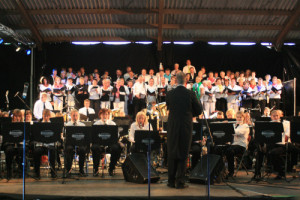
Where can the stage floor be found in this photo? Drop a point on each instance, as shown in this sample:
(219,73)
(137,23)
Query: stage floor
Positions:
(116,188)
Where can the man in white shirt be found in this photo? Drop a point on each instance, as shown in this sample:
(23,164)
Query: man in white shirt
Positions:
(139,93)
(98,151)
(69,150)
(176,69)
(186,68)
(40,105)
(86,110)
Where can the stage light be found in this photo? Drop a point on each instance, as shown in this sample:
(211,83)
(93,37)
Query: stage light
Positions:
(7,43)
(217,43)
(116,42)
(143,42)
(266,44)
(242,43)
(167,42)
(183,42)
(18,49)
(86,42)
(1,40)
(289,44)
(28,52)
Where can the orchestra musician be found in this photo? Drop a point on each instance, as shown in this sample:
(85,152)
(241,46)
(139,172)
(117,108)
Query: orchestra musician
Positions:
(86,110)
(98,151)
(69,149)
(42,149)
(240,141)
(41,105)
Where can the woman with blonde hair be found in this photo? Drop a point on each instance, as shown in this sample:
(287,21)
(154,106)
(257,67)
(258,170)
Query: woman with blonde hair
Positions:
(230,114)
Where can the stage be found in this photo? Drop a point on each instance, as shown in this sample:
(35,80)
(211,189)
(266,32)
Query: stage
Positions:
(116,188)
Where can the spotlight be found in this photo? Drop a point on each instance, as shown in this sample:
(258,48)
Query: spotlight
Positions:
(28,52)
(217,43)
(183,42)
(18,49)
(116,42)
(1,40)
(86,42)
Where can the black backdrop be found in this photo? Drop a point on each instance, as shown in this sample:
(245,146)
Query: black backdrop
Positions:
(16,65)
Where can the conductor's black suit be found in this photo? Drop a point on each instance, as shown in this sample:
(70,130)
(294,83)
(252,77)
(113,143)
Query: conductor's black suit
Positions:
(182,105)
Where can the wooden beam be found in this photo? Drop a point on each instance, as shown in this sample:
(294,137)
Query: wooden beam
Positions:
(205,11)
(29,22)
(288,26)
(164,26)
(160,25)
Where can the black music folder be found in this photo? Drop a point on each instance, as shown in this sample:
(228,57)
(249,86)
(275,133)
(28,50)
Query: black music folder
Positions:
(14,132)
(268,132)
(78,135)
(105,135)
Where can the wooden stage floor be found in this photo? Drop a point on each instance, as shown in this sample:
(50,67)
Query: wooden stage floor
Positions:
(116,188)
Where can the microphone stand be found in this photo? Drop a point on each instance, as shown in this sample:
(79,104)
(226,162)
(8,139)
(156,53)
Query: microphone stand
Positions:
(7,102)
(149,160)
(209,139)
(24,103)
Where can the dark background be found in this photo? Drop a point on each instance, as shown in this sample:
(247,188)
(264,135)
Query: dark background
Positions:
(16,65)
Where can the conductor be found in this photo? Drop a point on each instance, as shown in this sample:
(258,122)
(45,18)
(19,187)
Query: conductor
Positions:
(182,105)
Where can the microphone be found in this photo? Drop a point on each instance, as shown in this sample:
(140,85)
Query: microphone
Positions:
(16,94)
(25,90)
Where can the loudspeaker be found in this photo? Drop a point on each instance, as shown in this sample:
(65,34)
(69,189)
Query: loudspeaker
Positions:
(135,169)
(216,170)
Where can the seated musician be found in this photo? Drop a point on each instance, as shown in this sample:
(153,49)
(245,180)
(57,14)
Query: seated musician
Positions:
(69,149)
(141,123)
(42,149)
(86,110)
(10,150)
(41,105)
(240,141)
(97,150)
(275,151)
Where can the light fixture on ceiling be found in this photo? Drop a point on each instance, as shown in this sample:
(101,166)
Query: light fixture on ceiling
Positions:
(143,42)
(18,48)
(242,43)
(86,42)
(217,43)
(184,42)
(289,44)
(116,42)
(167,42)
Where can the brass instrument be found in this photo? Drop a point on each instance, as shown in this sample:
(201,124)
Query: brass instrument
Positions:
(115,113)
(162,109)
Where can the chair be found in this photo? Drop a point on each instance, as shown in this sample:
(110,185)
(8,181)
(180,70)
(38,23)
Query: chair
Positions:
(241,158)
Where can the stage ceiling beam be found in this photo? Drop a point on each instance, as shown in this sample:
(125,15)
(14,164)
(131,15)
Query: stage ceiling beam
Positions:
(29,22)
(160,25)
(204,11)
(164,26)
(288,26)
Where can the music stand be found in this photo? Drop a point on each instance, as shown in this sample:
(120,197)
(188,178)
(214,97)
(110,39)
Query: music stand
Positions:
(46,132)
(197,130)
(78,135)
(142,138)
(105,135)
(222,132)
(14,132)
(268,132)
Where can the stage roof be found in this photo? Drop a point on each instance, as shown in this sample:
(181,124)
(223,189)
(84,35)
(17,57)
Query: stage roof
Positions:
(42,21)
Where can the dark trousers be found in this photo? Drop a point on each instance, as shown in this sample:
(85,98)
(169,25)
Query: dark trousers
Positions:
(230,153)
(276,158)
(10,153)
(95,104)
(176,170)
(139,104)
(275,102)
(38,152)
(98,151)
(69,154)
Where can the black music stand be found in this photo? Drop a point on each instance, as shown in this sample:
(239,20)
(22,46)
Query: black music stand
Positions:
(197,132)
(78,136)
(222,132)
(59,120)
(142,139)
(46,133)
(14,132)
(268,132)
(104,135)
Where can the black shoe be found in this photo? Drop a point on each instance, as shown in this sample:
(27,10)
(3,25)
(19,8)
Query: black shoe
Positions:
(171,185)
(53,176)
(181,186)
